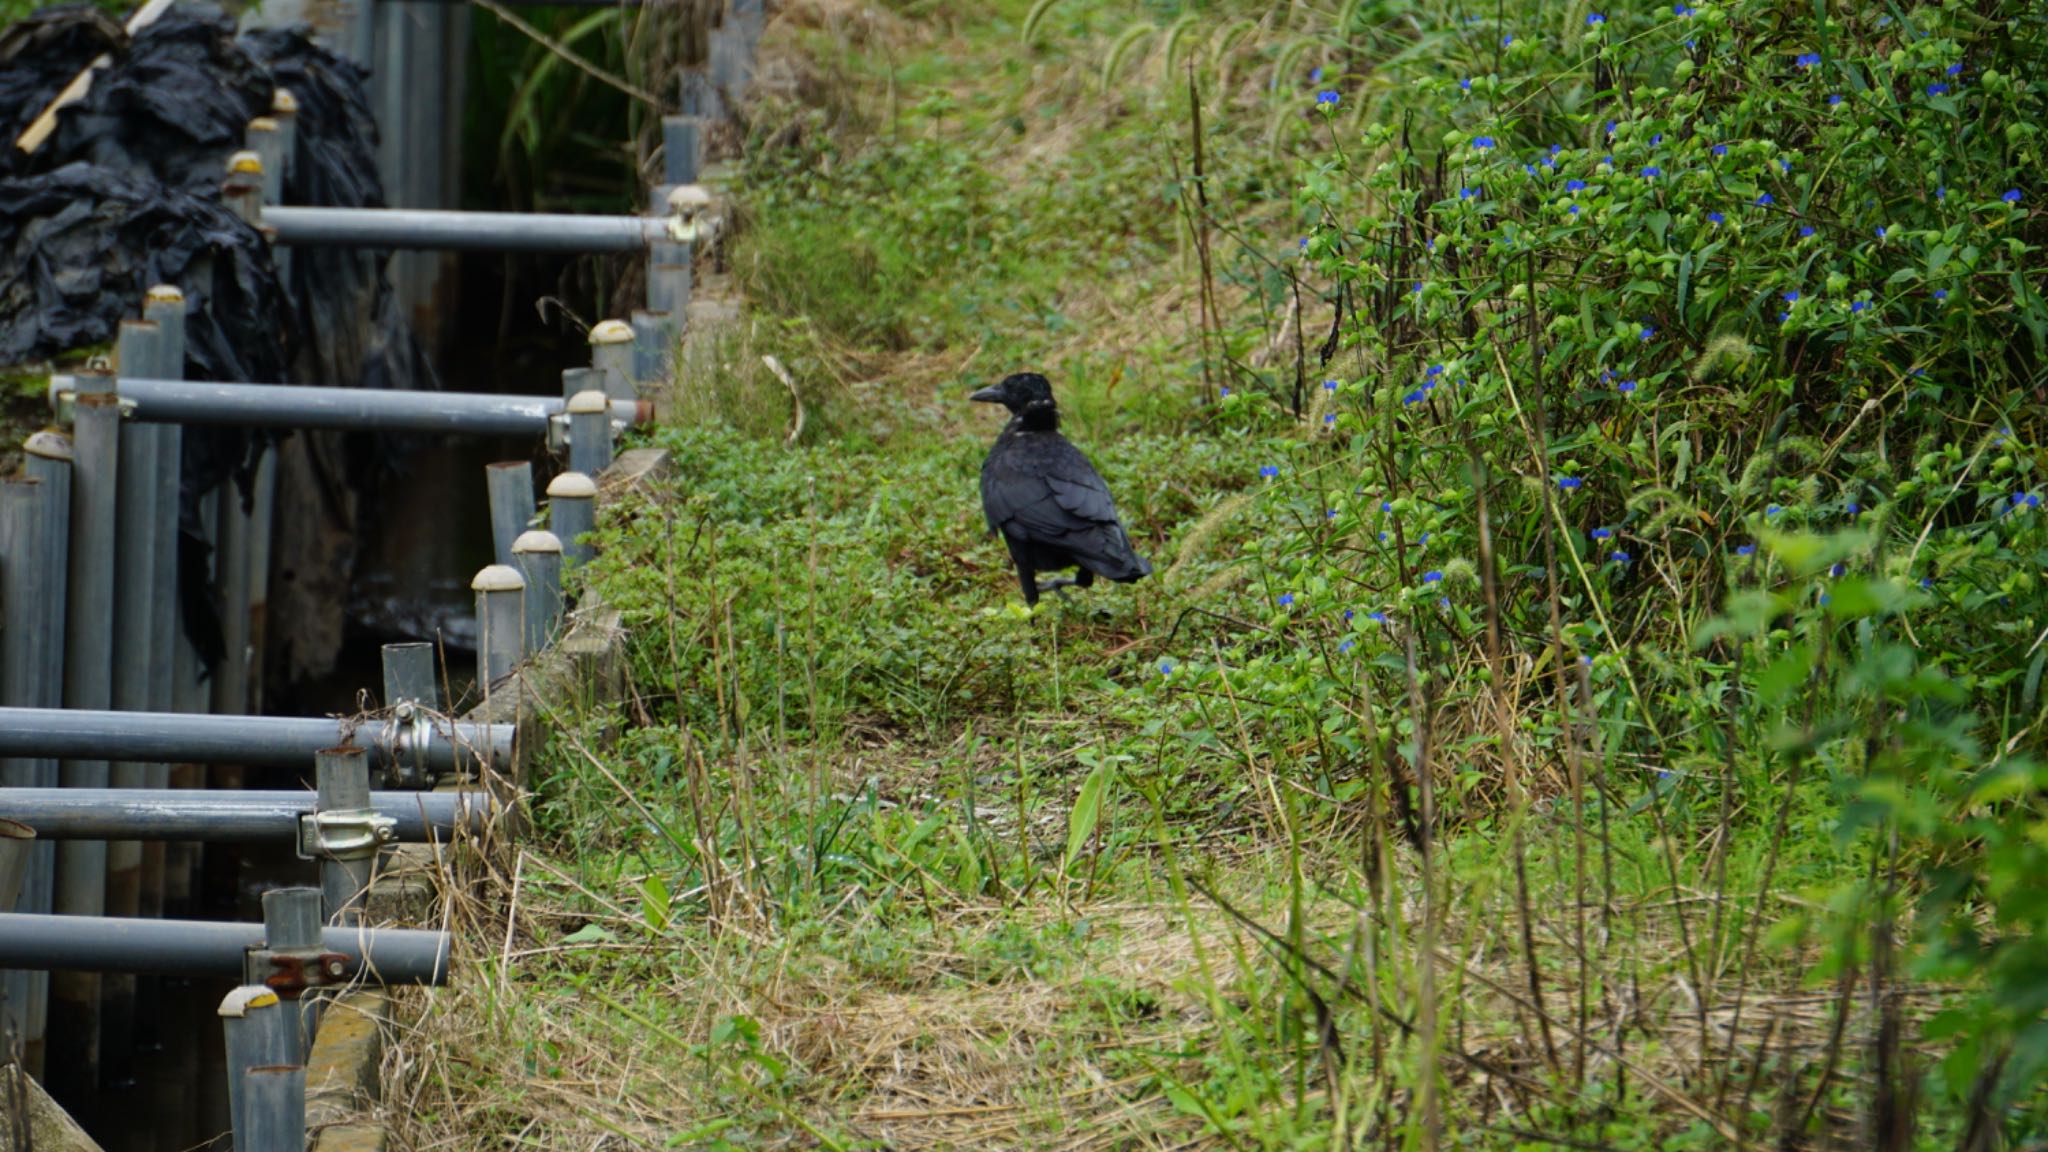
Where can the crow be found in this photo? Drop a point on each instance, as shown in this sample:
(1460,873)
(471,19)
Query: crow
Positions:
(1044,498)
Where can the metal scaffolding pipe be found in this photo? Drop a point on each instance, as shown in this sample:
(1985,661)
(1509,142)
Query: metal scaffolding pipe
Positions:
(280,741)
(151,400)
(17,840)
(509,484)
(388,956)
(227,817)
(419,228)
(572,514)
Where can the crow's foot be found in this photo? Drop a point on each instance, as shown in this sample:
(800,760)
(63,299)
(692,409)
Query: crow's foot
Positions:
(1060,585)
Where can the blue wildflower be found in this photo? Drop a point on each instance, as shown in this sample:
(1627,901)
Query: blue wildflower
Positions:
(1329,513)
(1470,193)
(1329,385)
(1269,471)
(1880,231)
(1784,164)
(2025,500)
(1682,10)
(1745,549)
(1432,576)
(1652,172)
(1418,287)
(1435,370)
(1940,294)
(1507,40)
(1416,397)
(1626,386)
(1315,76)
(1602,533)
(1386,506)
(1720,149)
(1691,43)
(1347,615)
(1854,509)
(1926,582)
(1376,617)
(1807,59)
(1574,209)
(1595,19)
(1465,84)
(1330,418)
(2012,196)
(1838,569)
(1619,557)
(1656,140)
(1443,602)
(1937,89)
(1646,333)
(1941,192)
(1575,185)
(1858,305)
(1304,243)
(1762,199)
(1570,483)
(1715,217)
(1166,667)
(1772,509)
(1323,98)
(1287,599)
(1805,230)
(1955,69)
(1482,143)
(1834,99)
(1792,296)
(1344,646)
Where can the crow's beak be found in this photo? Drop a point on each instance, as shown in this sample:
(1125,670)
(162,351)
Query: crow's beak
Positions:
(993,394)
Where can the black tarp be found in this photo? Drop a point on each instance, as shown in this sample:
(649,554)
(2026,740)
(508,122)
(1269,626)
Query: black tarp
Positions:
(126,195)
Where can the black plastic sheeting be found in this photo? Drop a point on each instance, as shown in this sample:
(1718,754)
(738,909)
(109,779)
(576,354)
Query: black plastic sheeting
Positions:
(126,195)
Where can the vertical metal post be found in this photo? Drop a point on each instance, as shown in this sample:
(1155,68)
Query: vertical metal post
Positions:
(291,923)
(231,677)
(590,433)
(538,556)
(343,777)
(511,492)
(264,138)
(682,149)
(74,1031)
(164,306)
(242,191)
(576,380)
(274,1109)
(668,282)
(611,351)
(26,576)
(16,843)
(501,622)
(572,513)
(654,346)
(254,1022)
(262,521)
(410,687)
(139,352)
(284,112)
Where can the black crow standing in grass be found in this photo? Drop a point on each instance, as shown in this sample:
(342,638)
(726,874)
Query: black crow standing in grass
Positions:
(1044,498)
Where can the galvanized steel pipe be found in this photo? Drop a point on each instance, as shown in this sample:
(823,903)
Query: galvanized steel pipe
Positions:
(388,956)
(419,228)
(282,741)
(159,401)
(227,817)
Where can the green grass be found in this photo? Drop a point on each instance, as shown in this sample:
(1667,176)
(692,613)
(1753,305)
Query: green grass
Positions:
(1720,845)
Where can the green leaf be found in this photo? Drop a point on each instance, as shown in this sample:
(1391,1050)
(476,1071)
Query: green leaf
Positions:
(589,934)
(1087,810)
(654,903)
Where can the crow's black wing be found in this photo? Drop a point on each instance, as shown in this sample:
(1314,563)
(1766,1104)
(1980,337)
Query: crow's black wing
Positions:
(1037,488)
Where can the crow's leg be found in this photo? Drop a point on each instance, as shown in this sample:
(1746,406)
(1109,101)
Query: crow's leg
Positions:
(1084,579)
(1028,580)
(1059,585)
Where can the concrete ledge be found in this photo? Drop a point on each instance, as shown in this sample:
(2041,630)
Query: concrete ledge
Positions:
(348,1051)
(50,1128)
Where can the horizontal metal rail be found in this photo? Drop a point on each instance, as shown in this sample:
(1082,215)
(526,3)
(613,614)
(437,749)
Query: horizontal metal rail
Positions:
(279,741)
(463,231)
(35,943)
(154,401)
(239,817)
